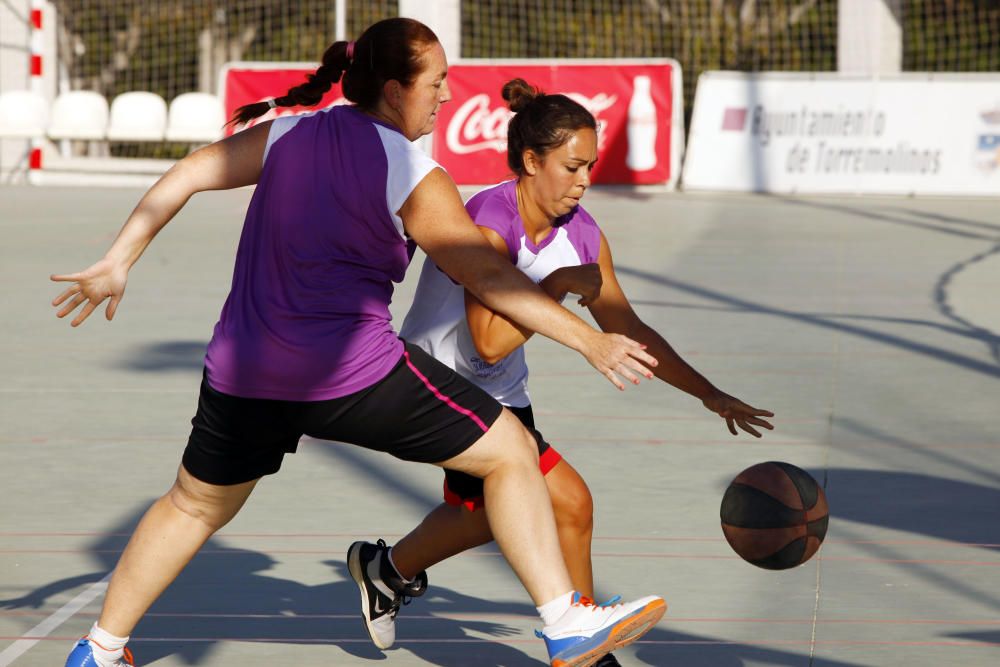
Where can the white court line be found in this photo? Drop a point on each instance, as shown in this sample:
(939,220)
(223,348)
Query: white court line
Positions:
(45,628)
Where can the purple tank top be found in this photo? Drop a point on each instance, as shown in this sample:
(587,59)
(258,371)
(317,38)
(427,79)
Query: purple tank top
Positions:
(307,317)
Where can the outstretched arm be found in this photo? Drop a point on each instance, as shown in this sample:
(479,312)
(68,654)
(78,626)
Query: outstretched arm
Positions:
(231,163)
(613,312)
(435,218)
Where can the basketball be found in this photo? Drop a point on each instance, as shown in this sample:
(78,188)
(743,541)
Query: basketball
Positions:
(774,515)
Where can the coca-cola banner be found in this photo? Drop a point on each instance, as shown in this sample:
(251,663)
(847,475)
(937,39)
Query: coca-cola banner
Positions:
(637,104)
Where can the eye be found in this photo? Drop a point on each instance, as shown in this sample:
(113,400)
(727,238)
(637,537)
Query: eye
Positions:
(572,170)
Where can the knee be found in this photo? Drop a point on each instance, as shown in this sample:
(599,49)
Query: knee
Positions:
(194,502)
(574,508)
(520,447)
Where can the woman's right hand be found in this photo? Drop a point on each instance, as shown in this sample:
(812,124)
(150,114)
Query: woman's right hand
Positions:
(91,287)
(584,279)
(614,355)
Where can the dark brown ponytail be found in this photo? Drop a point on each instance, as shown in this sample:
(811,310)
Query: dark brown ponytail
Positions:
(308,94)
(388,50)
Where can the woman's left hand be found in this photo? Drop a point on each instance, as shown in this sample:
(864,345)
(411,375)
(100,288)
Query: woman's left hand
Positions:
(737,413)
(91,287)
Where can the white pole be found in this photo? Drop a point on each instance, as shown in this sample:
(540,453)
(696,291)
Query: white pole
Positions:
(340,31)
(444,17)
(869,37)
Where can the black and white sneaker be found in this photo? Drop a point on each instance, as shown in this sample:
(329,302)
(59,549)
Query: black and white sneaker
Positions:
(608,661)
(383,591)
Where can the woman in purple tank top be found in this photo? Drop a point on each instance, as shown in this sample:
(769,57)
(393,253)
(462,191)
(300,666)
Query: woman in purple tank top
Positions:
(303,344)
(552,147)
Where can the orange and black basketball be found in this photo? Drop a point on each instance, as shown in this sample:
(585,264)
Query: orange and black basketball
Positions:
(774,515)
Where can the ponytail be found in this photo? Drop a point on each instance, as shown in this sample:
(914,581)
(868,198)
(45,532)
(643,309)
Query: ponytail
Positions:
(335,62)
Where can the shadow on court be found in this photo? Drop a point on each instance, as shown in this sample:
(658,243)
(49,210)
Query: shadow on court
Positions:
(226,594)
(864,332)
(180,355)
(938,223)
(917,503)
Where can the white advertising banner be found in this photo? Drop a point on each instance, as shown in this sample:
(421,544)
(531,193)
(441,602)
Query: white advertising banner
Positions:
(935,134)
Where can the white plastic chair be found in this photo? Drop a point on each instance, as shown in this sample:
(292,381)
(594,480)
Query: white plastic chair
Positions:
(137,116)
(23,115)
(195,117)
(79,114)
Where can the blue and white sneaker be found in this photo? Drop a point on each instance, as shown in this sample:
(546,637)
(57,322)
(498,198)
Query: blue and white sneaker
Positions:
(83,656)
(588,631)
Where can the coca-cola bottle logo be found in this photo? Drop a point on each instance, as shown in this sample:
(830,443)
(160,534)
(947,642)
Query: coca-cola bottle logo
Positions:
(477,127)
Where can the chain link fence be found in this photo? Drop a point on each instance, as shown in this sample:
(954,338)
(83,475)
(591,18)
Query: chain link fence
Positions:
(171,47)
(951,35)
(790,35)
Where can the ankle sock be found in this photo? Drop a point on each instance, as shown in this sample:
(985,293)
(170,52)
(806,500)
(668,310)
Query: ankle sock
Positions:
(107,648)
(396,569)
(555,609)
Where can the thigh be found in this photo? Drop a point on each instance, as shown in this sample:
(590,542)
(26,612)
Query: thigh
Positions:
(235,440)
(507,440)
(422,411)
(463,488)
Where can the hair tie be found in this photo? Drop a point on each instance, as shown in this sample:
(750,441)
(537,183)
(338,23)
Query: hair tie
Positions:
(350,52)
(271,103)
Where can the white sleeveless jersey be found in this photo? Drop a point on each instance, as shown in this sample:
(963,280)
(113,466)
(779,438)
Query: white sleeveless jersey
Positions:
(436,320)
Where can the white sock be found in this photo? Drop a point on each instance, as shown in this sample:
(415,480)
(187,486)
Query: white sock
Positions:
(553,610)
(393,563)
(107,648)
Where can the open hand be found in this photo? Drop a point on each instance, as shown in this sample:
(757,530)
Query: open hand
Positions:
(90,288)
(737,413)
(615,355)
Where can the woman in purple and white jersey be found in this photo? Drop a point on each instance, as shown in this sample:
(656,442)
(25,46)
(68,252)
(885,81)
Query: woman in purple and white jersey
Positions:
(304,343)
(535,222)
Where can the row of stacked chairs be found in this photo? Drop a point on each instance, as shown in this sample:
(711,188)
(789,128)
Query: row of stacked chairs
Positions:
(132,117)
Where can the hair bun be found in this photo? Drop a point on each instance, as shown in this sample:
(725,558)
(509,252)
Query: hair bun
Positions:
(519,93)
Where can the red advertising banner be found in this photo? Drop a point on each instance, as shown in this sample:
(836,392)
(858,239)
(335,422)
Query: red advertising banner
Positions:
(637,104)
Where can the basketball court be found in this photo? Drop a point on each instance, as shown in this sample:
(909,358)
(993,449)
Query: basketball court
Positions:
(870,326)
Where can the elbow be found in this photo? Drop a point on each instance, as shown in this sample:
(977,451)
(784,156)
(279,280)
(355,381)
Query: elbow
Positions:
(487,351)
(489,354)
(491,358)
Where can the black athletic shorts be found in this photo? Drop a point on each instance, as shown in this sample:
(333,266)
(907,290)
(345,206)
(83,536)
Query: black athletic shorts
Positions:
(462,489)
(421,411)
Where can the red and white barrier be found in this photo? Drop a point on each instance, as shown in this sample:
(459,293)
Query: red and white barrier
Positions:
(36,71)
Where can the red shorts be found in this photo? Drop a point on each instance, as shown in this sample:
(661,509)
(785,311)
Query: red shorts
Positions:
(461,489)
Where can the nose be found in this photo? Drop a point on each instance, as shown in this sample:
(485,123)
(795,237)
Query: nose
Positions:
(584,180)
(445,92)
